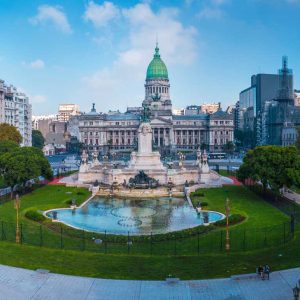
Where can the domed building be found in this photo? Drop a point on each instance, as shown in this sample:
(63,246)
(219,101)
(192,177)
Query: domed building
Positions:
(157,86)
(117,132)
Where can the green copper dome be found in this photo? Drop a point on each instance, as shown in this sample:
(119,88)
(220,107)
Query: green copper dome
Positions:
(157,68)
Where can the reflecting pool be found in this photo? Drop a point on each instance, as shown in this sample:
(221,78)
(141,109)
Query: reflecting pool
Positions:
(138,217)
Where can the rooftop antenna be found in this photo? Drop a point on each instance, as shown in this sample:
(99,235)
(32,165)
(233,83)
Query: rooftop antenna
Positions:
(156,41)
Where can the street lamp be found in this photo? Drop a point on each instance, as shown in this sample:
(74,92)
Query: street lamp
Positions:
(227,209)
(296,291)
(17,205)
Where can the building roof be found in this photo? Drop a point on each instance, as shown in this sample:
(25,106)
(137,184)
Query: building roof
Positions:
(157,68)
(220,114)
(190,117)
(122,116)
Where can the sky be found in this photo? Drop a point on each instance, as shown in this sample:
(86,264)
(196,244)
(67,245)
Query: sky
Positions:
(84,52)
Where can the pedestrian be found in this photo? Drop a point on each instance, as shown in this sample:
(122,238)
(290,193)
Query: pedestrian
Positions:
(267,271)
(260,271)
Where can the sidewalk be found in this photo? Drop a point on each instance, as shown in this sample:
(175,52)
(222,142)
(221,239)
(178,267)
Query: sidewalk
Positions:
(293,196)
(16,283)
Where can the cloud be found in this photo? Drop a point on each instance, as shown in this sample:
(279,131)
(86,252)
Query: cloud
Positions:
(178,46)
(212,9)
(101,15)
(210,13)
(53,15)
(37,99)
(35,65)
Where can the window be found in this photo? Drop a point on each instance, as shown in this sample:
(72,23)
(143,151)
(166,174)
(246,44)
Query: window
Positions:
(96,141)
(216,122)
(91,123)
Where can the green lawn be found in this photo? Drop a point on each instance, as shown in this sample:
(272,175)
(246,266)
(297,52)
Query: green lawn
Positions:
(44,198)
(148,267)
(196,256)
(242,201)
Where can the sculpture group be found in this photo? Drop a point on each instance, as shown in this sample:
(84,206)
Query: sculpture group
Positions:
(146,163)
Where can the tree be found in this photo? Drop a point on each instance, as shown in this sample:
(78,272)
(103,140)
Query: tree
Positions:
(10,133)
(298,137)
(7,146)
(23,164)
(274,167)
(229,147)
(203,146)
(37,139)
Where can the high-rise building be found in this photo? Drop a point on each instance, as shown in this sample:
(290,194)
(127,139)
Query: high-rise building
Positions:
(210,108)
(65,111)
(42,123)
(16,110)
(254,103)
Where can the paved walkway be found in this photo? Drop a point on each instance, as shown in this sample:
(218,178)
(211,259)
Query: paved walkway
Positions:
(21,284)
(292,196)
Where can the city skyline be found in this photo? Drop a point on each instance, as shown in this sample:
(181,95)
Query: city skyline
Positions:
(61,52)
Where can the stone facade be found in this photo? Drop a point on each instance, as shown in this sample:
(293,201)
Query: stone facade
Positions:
(170,133)
(16,110)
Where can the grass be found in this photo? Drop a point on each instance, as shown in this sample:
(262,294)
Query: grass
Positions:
(189,258)
(44,198)
(148,267)
(242,201)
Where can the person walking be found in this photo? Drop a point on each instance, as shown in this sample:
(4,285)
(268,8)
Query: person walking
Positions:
(267,271)
(260,271)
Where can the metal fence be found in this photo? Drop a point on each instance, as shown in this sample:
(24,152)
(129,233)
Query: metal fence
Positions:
(198,242)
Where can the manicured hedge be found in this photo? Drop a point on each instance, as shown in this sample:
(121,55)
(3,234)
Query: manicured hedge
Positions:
(233,219)
(34,216)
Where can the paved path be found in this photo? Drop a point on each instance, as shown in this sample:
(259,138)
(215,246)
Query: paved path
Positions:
(292,196)
(21,284)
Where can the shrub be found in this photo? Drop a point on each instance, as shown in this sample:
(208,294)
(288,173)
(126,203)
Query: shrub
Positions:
(34,216)
(199,194)
(233,219)
(80,193)
(202,204)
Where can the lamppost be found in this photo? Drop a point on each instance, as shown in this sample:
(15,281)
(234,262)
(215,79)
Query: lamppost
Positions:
(17,205)
(227,209)
(296,291)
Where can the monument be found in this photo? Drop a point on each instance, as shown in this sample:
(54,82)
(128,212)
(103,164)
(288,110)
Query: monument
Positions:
(145,159)
(145,169)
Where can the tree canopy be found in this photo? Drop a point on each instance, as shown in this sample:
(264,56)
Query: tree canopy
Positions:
(274,167)
(10,133)
(7,146)
(23,164)
(37,139)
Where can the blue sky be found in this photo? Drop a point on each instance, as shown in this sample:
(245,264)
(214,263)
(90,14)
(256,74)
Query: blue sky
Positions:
(98,51)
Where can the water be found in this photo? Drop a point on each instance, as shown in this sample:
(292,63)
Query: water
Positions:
(138,217)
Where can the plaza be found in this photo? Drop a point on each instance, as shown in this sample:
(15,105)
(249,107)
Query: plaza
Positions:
(22,284)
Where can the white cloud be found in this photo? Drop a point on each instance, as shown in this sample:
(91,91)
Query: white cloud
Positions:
(37,99)
(210,13)
(123,81)
(101,15)
(54,15)
(36,64)
(212,9)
